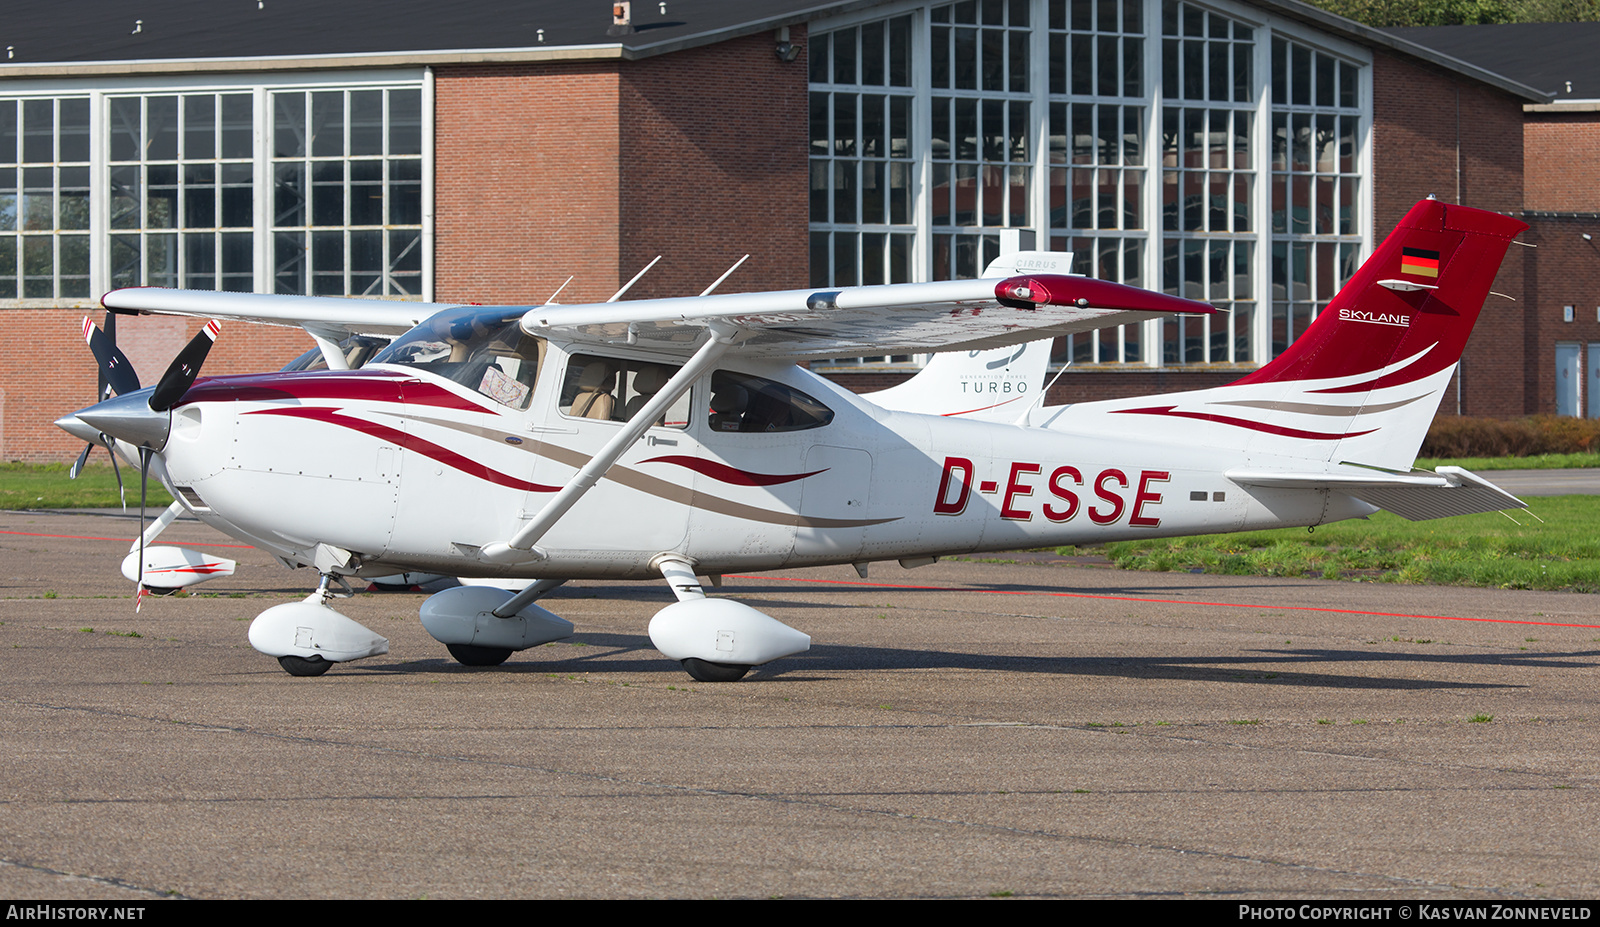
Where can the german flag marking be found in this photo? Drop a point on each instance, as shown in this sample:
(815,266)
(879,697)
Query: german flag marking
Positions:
(1419,261)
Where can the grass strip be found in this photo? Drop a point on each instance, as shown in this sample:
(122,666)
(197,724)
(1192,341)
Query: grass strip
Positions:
(46,486)
(1488,550)
(1535,462)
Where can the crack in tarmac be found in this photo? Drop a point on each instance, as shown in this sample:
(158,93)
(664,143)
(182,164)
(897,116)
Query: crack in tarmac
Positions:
(164,894)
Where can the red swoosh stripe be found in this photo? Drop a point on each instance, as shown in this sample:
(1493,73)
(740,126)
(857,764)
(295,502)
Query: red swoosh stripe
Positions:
(411,442)
(727,474)
(374,386)
(982,408)
(1246,423)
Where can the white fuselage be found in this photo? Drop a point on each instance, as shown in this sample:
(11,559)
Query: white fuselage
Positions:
(409,471)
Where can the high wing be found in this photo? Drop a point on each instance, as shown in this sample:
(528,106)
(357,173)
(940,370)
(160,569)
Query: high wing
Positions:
(328,316)
(904,318)
(787,324)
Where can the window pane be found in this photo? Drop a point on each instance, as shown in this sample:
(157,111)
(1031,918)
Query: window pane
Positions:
(289,125)
(161,129)
(366,123)
(327,193)
(74,139)
(238,125)
(327,124)
(39,131)
(199,127)
(405,122)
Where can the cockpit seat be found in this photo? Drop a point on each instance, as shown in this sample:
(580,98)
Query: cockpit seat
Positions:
(595,399)
(727,408)
(646,383)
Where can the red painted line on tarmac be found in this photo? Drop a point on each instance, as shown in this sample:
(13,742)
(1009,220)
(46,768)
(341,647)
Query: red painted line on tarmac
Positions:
(1129,598)
(80,537)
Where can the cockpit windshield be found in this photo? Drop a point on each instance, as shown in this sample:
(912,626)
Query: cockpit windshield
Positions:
(482,348)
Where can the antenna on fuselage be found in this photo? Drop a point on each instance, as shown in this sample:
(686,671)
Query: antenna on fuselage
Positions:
(625,287)
(563,286)
(1039,401)
(718,282)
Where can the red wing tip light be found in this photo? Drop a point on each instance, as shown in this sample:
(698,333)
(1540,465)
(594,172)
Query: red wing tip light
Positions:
(1034,290)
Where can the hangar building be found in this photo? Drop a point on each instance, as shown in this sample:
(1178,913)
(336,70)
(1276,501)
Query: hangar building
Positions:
(1245,152)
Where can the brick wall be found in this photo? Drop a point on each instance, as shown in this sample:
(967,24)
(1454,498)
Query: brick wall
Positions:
(1564,271)
(593,169)
(526,187)
(714,167)
(1435,133)
(1563,161)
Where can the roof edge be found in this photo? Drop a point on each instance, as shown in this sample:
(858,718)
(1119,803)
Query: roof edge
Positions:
(314,62)
(1565,106)
(608,51)
(1376,37)
(1295,9)
(751,27)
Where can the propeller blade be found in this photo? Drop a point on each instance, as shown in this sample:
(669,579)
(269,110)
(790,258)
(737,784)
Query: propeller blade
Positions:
(118,471)
(110,329)
(77,466)
(185,368)
(114,367)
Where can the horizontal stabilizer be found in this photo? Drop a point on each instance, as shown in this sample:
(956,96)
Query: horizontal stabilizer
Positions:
(1414,496)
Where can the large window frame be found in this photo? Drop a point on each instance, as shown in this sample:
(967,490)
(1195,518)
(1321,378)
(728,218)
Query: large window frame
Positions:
(1231,266)
(180,189)
(45,197)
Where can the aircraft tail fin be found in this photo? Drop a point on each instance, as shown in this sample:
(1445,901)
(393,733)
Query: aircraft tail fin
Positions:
(1363,382)
(1417,297)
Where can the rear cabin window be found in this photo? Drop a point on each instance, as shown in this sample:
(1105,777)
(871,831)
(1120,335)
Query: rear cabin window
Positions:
(746,403)
(614,389)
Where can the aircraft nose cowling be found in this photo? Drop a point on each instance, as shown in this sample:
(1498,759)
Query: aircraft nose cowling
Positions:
(128,418)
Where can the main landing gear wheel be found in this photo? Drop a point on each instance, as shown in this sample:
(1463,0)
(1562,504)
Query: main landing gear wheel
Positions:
(706,671)
(161,590)
(474,655)
(304,666)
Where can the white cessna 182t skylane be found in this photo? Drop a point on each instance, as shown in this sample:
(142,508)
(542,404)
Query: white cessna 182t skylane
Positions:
(676,438)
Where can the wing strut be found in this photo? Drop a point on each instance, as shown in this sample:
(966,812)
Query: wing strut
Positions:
(328,343)
(521,549)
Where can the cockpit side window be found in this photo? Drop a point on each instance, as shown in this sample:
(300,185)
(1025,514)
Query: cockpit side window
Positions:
(748,403)
(482,349)
(616,389)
